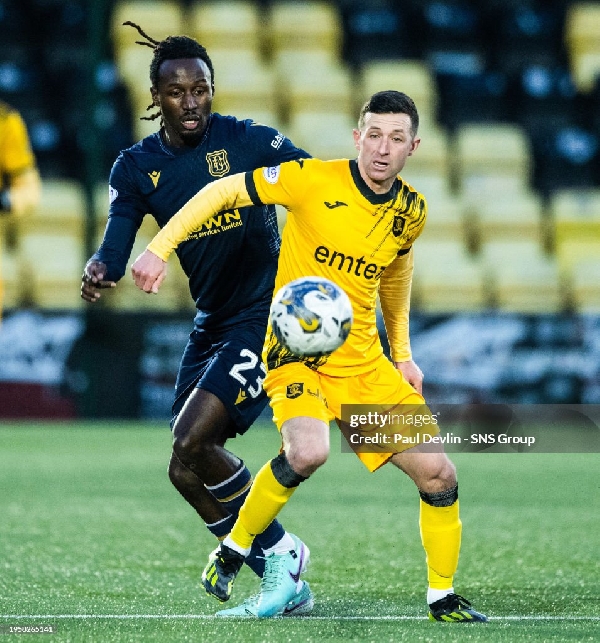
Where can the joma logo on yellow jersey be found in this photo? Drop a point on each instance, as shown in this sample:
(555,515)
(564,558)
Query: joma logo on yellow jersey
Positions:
(347,263)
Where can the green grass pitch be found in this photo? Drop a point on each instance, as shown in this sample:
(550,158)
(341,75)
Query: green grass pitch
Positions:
(95,542)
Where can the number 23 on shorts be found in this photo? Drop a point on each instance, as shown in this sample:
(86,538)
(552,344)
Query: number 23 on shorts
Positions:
(251,360)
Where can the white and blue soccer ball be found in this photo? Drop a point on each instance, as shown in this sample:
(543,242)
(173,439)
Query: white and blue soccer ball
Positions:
(311,316)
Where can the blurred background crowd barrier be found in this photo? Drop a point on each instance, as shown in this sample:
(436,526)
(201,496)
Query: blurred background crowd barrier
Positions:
(506,297)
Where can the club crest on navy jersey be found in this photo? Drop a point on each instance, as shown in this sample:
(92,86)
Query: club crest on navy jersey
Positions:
(218,163)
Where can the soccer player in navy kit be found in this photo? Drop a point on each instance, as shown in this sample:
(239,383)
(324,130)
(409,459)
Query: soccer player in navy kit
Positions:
(231,268)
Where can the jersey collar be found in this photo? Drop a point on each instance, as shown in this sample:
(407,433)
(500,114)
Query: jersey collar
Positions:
(365,190)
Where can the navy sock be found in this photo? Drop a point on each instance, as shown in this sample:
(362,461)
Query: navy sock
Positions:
(231,493)
(222,528)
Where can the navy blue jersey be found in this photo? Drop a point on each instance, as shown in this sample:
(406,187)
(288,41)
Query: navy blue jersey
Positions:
(231,262)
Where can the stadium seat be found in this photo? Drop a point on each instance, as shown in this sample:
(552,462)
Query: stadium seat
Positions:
(234,25)
(476,187)
(582,28)
(13,27)
(446,278)
(289,62)
(566,157)
(158,18)
(571,252)
(53,263)
(585,69)
(62,208)
(305,25)
(245,86)
(413,77)
(450,27)
(429,183)
(582,40)
(446,220)
(313,81)
(15,288)
(522,278)
(510,216)
(524,33)
(468,92)
(544,97)
(584,282)
(575,216)
(445,212)
(483,193)
(432,155)
(133,64)
(484,149)
(324,135)
(377,30)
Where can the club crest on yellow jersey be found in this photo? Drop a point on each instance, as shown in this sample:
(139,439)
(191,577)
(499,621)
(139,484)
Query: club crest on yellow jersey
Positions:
(398,225)
(294,390)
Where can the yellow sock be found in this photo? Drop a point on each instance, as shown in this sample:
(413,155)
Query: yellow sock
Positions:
(440,533)
(265,500)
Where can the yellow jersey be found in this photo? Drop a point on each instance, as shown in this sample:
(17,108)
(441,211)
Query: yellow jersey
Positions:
(338,228)
(15,151)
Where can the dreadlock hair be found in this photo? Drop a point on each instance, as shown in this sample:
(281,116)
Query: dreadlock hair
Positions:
(171,48)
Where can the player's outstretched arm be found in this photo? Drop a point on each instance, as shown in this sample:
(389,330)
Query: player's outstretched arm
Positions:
(224,194)
(148,272)
(93,281)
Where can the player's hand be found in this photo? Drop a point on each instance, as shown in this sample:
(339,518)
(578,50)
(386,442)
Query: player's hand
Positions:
(412,374)
(92,281)
(148,272)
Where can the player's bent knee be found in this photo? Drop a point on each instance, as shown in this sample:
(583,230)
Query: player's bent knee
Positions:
(193,446)
(284,473)
(448,472)
(184,446)
(178,473)
(308,458)
(439,473)
(305,443)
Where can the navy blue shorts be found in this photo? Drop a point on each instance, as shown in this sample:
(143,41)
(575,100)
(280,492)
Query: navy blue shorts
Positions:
(227,364)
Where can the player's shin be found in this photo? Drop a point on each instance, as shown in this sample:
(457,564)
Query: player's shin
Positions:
(441,535)
(273,487)
(232,493)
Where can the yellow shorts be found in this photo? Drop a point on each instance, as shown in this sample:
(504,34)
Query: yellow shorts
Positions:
(295,390)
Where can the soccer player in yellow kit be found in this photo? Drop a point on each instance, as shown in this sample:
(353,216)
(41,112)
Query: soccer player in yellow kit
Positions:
(353,222)
(19,178)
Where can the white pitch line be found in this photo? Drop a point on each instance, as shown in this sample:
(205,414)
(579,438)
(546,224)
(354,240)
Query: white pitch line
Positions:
(39,617)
